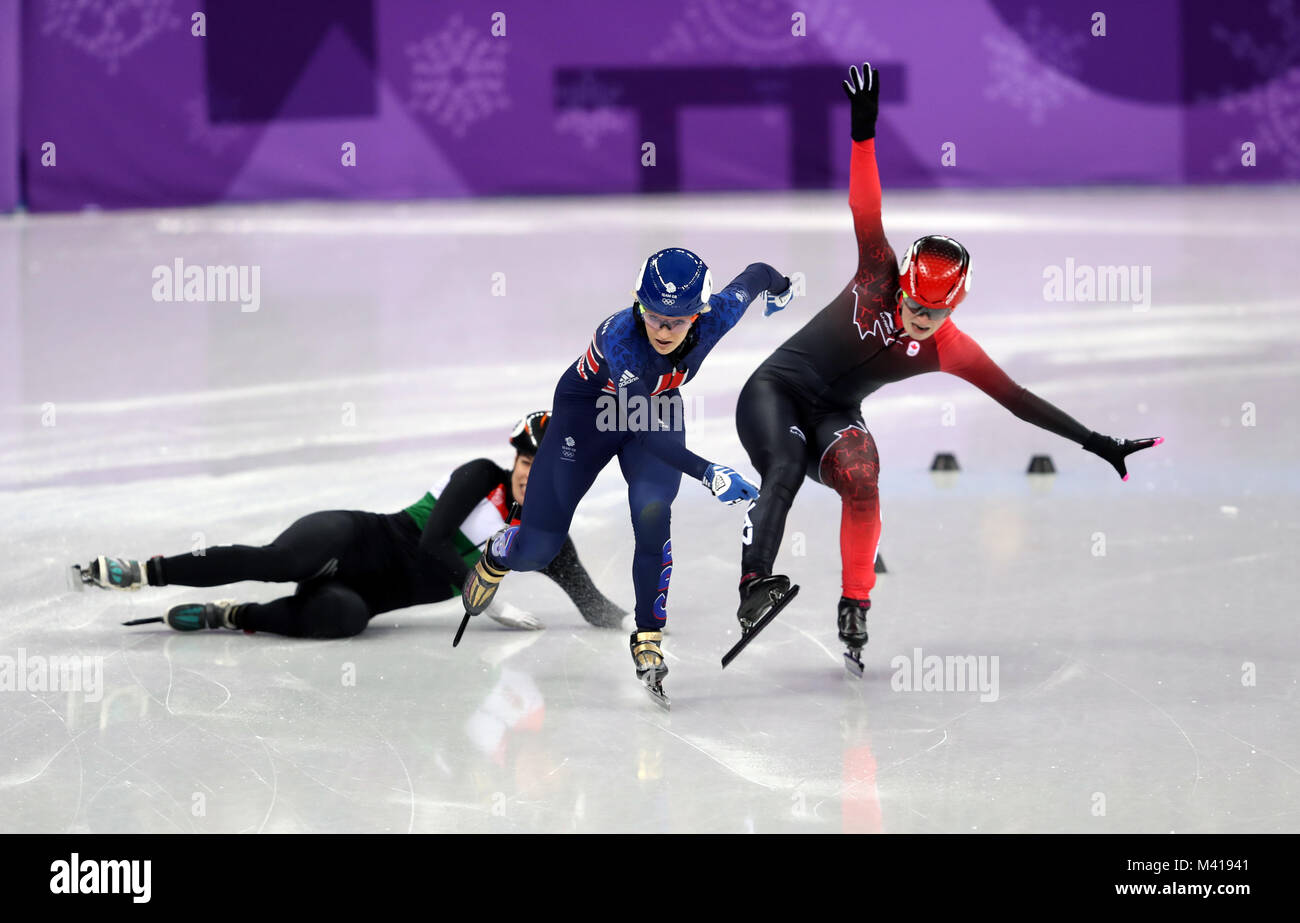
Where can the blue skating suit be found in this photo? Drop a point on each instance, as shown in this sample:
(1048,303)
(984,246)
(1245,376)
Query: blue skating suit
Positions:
(578,443)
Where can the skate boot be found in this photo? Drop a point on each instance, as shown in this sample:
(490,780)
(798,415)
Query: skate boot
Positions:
(853,631)
(650,666)
(481,584)
(758,595)
(111,574)
(196,616)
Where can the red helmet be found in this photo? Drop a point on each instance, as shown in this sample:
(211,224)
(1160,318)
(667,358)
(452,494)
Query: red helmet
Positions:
(935,272)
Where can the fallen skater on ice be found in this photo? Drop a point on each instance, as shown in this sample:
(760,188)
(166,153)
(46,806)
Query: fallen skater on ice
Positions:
(352,565)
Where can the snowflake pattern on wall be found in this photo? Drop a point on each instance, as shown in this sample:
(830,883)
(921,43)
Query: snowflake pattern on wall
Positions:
(1274,107)
(458,75)
(588,109)
(1018,76)
(758,32)
(109,30)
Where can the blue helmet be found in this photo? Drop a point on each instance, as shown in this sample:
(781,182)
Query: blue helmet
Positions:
(675,283)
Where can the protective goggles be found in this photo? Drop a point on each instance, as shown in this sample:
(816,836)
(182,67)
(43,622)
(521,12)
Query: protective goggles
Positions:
(671,324)
(920,310)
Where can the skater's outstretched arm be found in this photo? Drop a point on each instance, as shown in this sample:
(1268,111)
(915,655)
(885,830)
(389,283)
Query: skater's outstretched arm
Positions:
(728,306)
(567,571)
(961,356)
(467,487)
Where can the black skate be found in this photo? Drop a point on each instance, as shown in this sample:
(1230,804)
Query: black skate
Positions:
(650,666)
(762,600)
(853,632)
(109,574)
(196,616)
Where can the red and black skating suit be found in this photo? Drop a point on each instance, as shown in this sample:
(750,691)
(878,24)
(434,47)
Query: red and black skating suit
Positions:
(800,412)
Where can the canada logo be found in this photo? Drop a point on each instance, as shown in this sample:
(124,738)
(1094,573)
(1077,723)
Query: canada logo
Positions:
(870,322)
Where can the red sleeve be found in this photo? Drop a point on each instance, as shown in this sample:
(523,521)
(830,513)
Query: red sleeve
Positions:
(961,356)
(864,202)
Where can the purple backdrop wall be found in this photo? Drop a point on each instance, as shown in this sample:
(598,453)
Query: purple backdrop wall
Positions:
(143,113)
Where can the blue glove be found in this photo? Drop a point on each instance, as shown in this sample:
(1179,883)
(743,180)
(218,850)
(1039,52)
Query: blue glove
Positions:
(727,485)
(777,302)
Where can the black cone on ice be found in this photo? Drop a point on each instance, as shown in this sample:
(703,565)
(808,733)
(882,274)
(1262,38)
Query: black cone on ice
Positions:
(1041,464)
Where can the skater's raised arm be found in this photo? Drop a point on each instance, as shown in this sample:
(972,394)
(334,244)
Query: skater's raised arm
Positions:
(863,90)
(469,484)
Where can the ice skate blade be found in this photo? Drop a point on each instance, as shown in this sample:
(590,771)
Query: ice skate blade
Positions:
(77,578)
(762,623)
(853,663)
(656,692)
(455,642)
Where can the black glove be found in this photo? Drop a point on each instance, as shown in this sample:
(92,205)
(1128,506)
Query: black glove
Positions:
(863,90)
(1115,450)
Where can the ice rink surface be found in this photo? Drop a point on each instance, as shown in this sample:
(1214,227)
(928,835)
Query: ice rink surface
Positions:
(1143,633)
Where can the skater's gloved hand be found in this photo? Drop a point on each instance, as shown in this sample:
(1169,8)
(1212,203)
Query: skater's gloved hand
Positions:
(1115,450)
(777,301)
(727,485)
(512,616)
(863,90)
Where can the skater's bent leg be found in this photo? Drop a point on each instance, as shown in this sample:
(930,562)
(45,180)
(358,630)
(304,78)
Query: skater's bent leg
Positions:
(309,548)
(529,548)
(851,467)
(768,423)
(325,609)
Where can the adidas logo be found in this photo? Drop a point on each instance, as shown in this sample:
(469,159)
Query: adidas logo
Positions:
(626,379)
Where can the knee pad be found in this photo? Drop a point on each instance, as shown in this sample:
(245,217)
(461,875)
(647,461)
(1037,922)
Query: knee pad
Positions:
(851,466)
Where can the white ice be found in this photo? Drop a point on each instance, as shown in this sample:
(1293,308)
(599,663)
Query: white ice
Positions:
(1149,688)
